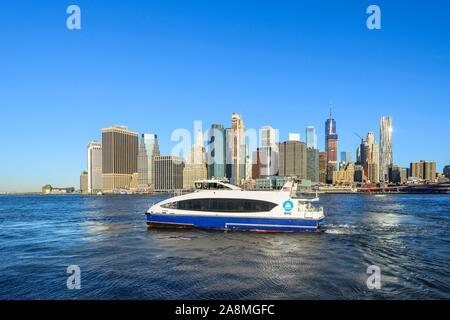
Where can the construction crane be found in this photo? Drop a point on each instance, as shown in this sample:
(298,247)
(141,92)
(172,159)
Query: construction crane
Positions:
(358,136)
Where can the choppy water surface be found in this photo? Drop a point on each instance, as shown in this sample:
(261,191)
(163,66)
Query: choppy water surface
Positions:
(407,236)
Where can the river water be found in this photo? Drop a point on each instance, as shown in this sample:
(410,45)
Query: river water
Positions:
(406,236)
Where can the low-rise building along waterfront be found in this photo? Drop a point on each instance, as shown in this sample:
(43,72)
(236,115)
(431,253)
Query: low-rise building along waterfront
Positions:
(84,182)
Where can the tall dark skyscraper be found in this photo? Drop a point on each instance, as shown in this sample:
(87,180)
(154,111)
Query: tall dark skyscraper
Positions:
(331,140)
(216,152)
(331,147)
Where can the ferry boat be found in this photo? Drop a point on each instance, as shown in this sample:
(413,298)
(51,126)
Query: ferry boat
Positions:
(219,205)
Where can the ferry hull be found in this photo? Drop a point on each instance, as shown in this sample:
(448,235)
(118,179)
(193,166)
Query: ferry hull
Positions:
(232,223)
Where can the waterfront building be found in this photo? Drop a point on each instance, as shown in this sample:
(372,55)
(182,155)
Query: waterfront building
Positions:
(248,170)
(386,157)
(216,152)
(404,174)
(293,159)
(48,189)
(446,171)
(394,174)
(359,175)
(332,166)
(323,167)
(195,168)
(168,172)
(256,165)
(345,175)
(236,150)
(369,158)
(311,137)
(416,170)
(429,171)
(229,165)
(119,157)
(312,165)
(94,167)
(134,181)
(142,165)
(424,170)
(265,162)
(374,172)
(271,183)
(148,150)
(84,182)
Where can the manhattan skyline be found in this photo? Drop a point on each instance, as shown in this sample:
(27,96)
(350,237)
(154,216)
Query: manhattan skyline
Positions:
(158,67)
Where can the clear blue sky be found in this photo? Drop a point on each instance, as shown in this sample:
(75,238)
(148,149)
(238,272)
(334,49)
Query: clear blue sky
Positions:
(159,65)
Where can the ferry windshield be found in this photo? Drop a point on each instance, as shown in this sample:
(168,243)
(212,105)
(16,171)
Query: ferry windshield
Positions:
(210,186)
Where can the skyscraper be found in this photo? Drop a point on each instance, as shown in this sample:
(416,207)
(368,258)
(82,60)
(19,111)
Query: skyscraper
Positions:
(331,140)
(168,172)
(149,142)
(446,171)
(395,175)
(331,147)
(323,167)
(236,153)
(370,158)
(346,157)
(386,158)
(142,165)
(293,159)
(195,168)
(267,156)
(94,165)
(119,157)
(216,152)
(312,164)
(311,137)
(268,137)
(359,175)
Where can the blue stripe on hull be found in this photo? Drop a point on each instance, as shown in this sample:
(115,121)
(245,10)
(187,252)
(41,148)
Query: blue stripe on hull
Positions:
(258,224)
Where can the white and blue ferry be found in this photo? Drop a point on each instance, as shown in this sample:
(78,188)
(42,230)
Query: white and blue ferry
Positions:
(219,205)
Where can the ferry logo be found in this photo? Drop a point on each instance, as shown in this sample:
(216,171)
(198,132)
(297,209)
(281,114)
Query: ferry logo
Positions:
(288,206)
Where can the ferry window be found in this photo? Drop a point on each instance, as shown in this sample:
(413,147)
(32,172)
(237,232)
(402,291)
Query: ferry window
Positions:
(226,205)
(172,205)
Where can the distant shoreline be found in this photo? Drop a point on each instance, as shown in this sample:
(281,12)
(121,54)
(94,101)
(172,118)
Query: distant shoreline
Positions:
(169,193)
